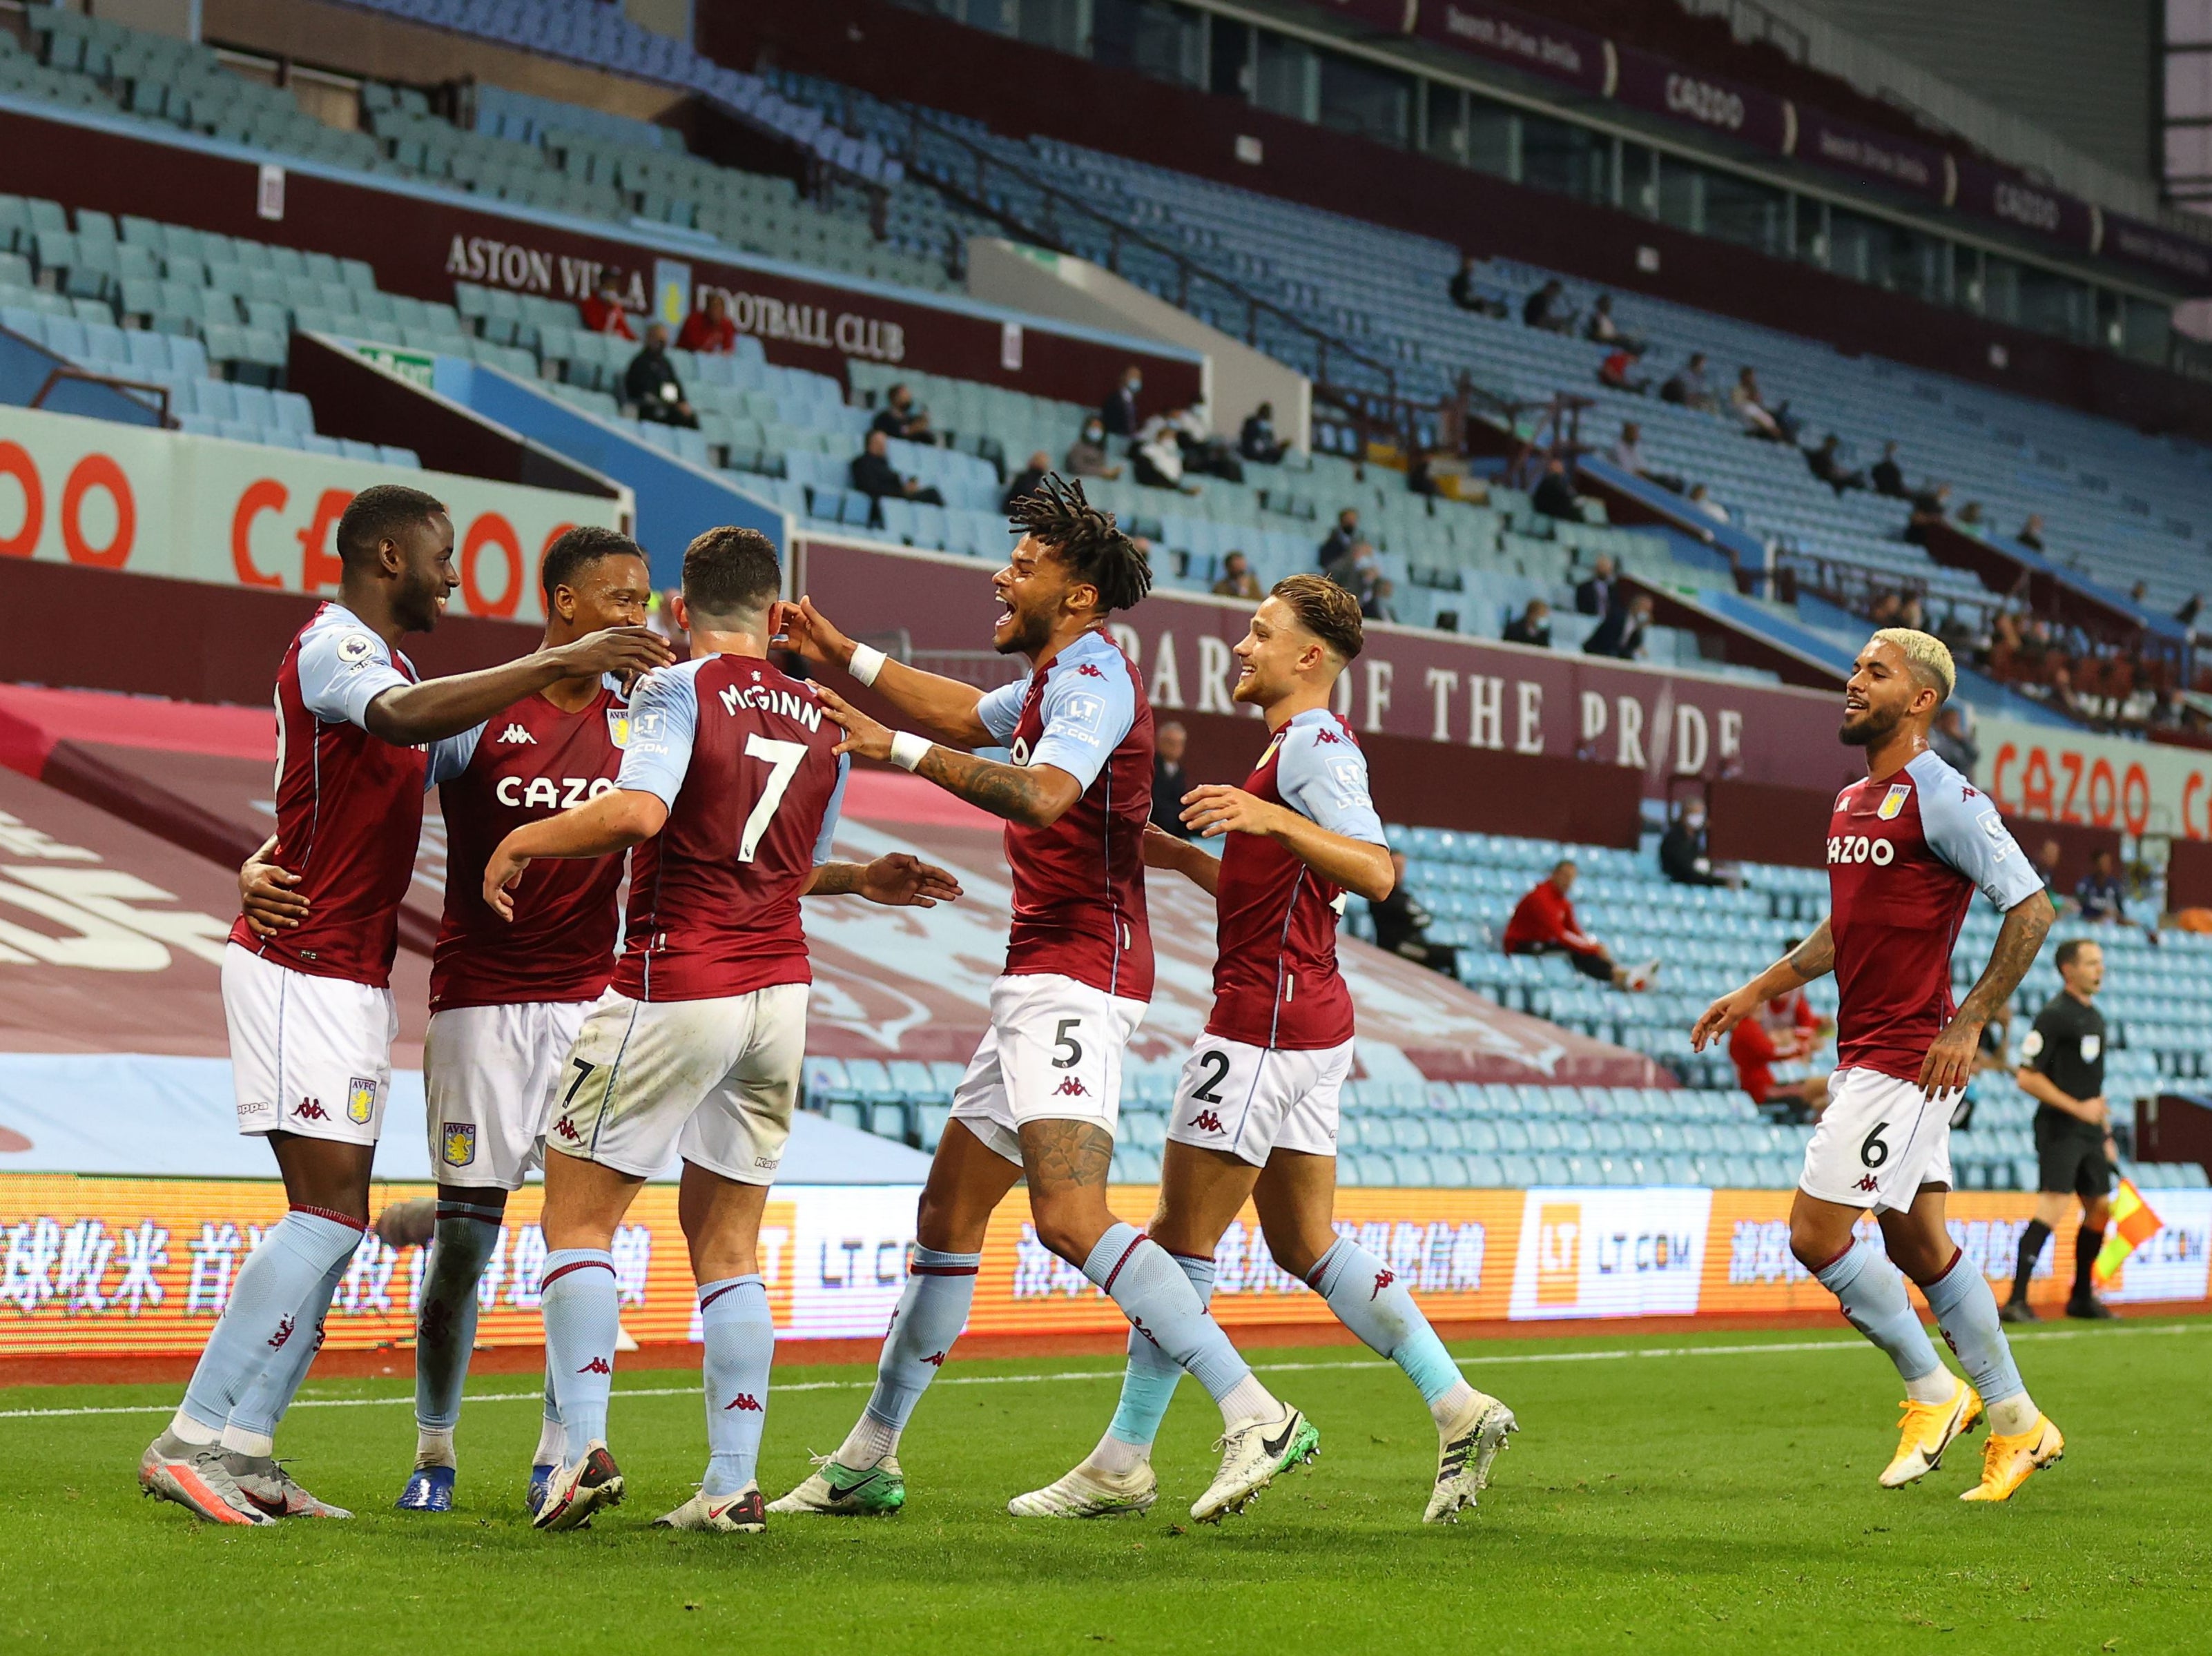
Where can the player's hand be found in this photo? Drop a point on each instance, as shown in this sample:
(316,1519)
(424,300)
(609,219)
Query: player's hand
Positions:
(1217,809)
(807,630)
(863,735)
(1949,1065)
(2096,1111)
(900,880)
(265,892)
(625,652)
(500,874)
(1722,1016)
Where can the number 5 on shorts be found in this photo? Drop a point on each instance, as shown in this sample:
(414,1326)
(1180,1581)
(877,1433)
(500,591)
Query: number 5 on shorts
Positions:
(1064,1040)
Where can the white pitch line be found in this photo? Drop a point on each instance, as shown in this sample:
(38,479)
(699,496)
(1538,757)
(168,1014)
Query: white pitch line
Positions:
(1612,1355)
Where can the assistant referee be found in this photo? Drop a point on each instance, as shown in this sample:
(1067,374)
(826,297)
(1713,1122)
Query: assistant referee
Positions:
(2062,1069)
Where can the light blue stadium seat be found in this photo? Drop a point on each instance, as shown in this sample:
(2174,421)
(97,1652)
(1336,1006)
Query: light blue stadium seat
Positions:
(888,1121)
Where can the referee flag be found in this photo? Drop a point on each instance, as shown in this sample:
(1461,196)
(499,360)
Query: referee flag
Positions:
(2132,1224)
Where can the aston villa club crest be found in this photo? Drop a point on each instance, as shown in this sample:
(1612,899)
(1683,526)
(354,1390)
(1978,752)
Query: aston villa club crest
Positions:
(360,1100)
(1894,801)
(618,727)
(458,1141)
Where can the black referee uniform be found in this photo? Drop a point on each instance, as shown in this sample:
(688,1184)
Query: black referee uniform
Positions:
(2067,1045)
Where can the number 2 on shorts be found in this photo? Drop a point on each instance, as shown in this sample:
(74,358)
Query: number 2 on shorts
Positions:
(1215,1064)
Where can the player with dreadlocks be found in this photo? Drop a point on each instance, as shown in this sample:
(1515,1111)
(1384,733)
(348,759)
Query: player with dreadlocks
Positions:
(1042,1096)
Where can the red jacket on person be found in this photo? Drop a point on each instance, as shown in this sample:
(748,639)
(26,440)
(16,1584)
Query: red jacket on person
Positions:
(602,316)
(702,333)
(1546,917)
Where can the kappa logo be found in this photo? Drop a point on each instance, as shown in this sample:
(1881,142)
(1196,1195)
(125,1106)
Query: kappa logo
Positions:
(1966,794)
(1383,1278)
(284,1333)
(311,1109)
(936,1359)
(1324,734)
(1868,1182)
(745,1403)
(1204,1121)
(1071,1087)
(1090,670)
(1138,1323)
(567,1129)
(516,735)
(597,1366)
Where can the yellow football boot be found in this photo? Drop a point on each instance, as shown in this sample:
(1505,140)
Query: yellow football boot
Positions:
(1926,1431)
(2009,1462)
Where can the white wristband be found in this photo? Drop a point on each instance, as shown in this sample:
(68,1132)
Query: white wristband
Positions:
(867,661)
(907,748)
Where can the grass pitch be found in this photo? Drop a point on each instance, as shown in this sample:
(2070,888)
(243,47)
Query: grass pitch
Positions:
(1712,1492)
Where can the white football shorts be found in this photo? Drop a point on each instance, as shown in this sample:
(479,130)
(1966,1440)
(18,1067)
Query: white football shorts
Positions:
(489,1076)
(1877,1143)
(1253,1100)
(1053,1054)
(308,1055)
(712,1081)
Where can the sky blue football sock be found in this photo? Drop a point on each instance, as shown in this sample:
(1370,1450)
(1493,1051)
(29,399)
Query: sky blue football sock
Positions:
(446,1321)
(1966,1312)
(1872,1294)
(1368,1299)
(582,1323)
(932,1310)
(740,1340)
(1148,1384)
(262,1320)
(261,1411)
(1140,1277)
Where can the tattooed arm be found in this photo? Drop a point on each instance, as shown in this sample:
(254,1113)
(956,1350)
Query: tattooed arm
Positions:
(1033,795)
(1815,957)
(1950,1060)
(897,880)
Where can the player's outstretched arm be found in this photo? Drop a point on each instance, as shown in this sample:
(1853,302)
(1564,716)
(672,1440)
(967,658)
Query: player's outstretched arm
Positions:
(1161,849)
(944,707)
(1360,866)
(1036,796)
(1950,1061)
(613,821)
(1815,957)
(265,893)
(897,880)
(409,715)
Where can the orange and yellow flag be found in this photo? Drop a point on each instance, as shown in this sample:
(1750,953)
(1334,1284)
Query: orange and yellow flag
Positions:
(2132,1224)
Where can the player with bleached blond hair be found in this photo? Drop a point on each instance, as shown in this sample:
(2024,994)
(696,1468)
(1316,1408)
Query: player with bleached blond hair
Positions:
(1255,1114)
(1907,847)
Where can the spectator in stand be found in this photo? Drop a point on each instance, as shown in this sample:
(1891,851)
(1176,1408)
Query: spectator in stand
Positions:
(2046,863)
(1785,1031)
(1359,572)
(1401,925)
(1169,780)
(1602,330)
(1555,496)
(1701,500)
(1970,519)
(1377,606)
(873,475)
(1930,507)
(1826,461)
(1951,743)
(1628,454)
(1683,856)
(2138,595)
(1257,440)
(1532,626)
(708,329)
(1594,597)
(1202,452)
(900,416)
(1340,539)
(603,311)
(2100,894)
(2031,537)
(1157,456)
(1237,580)
(1621,634)
(1087,456)
(1885,610)
(1888,476)
(1544,923)
(1468,293)
(1687,386)
(1617,371)
(1749,403)
(1546,308)
(1119,414)
(650,382)
(1026,480)
(2192,607)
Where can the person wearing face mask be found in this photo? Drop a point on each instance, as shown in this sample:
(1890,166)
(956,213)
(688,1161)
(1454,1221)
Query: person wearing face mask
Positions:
(1119,416)
(1087,457)
(1683,858)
